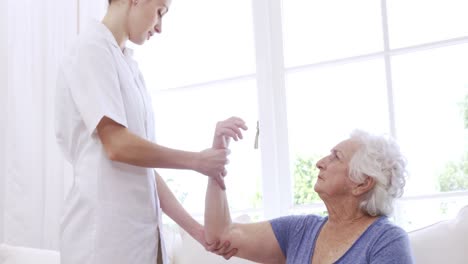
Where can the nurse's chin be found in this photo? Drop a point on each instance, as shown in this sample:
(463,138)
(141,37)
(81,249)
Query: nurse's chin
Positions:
(138,41)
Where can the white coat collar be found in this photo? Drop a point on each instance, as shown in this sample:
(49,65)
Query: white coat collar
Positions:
(128,52)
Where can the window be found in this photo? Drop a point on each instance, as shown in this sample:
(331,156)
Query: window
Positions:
(358,69)
(431,96)
(311,72)
(186,118)
(325,103)
(201,41)
(199,71)
(317,31)
(424,21)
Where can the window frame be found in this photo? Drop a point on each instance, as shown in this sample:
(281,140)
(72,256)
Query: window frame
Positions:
(271,72)
(277,177)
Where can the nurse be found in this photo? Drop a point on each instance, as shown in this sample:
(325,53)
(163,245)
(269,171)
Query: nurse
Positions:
(105,129)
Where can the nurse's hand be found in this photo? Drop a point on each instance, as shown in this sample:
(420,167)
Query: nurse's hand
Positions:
(225,251)
(222,249)
(212,163)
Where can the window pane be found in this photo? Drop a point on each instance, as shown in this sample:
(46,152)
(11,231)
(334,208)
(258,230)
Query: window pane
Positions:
(324,106)
(201,41)
(431,93)
(418,21)
(186,119)
(324,30)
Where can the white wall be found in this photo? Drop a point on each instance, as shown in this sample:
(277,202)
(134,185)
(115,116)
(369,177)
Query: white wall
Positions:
(3,108)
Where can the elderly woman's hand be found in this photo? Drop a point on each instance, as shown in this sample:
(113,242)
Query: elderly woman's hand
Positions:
(227,129)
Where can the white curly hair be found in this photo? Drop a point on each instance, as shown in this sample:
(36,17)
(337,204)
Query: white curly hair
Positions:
(378,157)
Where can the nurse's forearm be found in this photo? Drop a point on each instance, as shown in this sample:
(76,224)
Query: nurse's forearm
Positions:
(123,146)
(131,149)
(171,207)
(217,216)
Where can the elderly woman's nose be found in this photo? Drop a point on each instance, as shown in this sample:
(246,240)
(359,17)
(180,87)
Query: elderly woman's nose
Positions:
(320,164)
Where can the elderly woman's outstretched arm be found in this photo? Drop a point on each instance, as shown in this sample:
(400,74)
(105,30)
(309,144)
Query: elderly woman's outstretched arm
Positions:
(255,241)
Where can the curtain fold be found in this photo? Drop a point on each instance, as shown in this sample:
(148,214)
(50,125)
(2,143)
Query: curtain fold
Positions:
(34,176)
(34,172)
(3,108)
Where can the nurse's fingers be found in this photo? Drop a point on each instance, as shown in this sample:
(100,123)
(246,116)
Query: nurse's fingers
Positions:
(223,249)
(224,173)
(212,247)
(230,254)
(220,180)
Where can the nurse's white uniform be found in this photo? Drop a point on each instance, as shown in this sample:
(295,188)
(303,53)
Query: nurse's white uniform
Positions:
(112,211)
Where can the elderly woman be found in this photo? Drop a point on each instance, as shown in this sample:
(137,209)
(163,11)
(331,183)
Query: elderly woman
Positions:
(358,182)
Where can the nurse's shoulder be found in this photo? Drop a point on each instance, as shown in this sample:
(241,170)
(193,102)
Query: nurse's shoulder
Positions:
(95,42)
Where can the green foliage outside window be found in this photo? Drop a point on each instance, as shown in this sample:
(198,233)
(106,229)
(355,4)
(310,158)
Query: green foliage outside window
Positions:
(453,178)
(305,176)
(455,174)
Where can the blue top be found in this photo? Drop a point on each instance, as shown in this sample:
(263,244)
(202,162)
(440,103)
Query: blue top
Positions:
(382,242)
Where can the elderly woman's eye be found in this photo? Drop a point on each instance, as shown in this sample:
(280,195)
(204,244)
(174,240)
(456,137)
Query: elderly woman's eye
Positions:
(334,156)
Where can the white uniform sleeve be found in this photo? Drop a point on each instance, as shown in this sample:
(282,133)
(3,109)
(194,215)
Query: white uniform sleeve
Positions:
(93,81)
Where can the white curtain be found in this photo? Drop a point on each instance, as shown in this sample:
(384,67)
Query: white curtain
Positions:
(3,100)
(34,177)
(34,172)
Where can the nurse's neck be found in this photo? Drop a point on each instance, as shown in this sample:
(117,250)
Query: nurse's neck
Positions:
(115,21)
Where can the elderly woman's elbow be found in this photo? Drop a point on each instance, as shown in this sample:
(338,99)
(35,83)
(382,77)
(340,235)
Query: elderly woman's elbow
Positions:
(219,235)
(211,236)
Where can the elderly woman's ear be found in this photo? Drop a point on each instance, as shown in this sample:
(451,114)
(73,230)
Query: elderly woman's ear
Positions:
(364,187)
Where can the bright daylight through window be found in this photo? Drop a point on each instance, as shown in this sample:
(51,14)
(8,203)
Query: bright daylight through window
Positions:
(396,67)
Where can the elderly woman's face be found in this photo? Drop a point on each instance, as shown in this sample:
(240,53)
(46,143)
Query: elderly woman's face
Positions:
(333,179)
